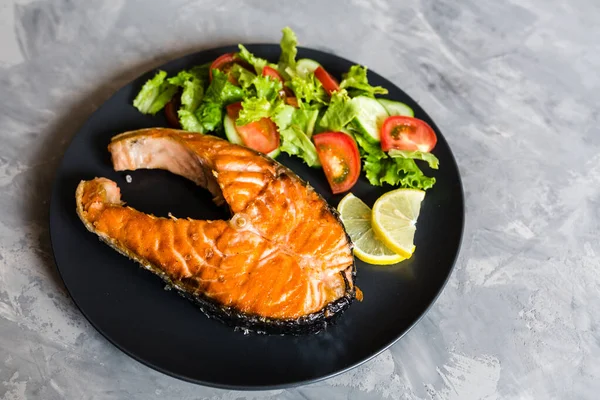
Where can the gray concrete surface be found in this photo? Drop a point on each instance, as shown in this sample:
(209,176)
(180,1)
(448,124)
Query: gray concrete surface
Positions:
(512,84)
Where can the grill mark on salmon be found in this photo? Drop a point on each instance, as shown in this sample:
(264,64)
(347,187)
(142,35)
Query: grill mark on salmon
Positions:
(281,264)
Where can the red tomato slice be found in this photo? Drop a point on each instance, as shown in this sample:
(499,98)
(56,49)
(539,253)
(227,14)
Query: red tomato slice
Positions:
(272,72)
(339,156)
(261,135)
(222,63)
(171,111)
(233,110)
(329,83)
(171,114)
(406,133)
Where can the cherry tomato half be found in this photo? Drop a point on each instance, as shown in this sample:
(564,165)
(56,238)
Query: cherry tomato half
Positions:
(339,156)
(329,83)
(171,111)
(272,72)
(222,63)
(261,135)
(407,133)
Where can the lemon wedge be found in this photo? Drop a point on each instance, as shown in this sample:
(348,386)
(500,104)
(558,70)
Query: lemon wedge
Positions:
(394,219)
(356,216)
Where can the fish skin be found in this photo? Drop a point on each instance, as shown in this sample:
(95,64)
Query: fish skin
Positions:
(282,264)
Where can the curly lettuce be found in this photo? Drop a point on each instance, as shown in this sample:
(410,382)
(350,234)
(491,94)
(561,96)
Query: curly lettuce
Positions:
(155,94)
(429,158)
(341,111)
(357,83)
(295,128)
(397,170)
(257,62)
(287,59)
(262,100)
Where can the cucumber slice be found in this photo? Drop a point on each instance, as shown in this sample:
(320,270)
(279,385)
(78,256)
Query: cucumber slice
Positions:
(232,134)
(396,108)
(234,137)
(371,115)
(274,153)
(305,66)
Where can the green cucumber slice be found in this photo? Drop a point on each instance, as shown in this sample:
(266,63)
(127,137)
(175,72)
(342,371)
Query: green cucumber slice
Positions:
(305,66)
(371,115)
(396,108)
(232,134)
(274,153)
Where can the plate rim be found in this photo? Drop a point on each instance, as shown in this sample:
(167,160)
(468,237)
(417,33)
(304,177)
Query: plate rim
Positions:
(158,368)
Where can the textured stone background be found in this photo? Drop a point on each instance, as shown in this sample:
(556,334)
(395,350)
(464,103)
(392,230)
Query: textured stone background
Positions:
(512,84)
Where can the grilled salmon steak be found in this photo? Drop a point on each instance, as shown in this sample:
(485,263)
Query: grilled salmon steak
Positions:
(282,264)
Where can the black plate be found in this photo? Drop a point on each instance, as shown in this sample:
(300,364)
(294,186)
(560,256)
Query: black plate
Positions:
(162,330)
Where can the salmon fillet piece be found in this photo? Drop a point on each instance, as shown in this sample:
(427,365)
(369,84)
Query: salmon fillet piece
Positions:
(282,263)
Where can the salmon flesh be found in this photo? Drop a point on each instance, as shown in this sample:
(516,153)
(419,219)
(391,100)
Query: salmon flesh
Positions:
(283,262)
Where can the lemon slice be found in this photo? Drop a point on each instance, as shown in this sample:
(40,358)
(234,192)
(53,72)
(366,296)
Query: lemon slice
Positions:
(356,217)
(394,218)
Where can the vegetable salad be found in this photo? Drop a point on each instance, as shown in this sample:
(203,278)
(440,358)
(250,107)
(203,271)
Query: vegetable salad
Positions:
(296,107)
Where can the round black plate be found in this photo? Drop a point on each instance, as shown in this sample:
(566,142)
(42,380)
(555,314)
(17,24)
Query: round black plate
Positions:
(130,307)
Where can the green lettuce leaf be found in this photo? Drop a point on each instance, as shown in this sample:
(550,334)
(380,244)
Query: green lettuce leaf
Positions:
(355,80)
(202,110)
(283,116)
(292,124)
(189,122)
(202,72)
(309,91)
(199,72)
(244,77)
(416,155)
(257,62)
(193,82)
(402,172)
(210,116)
(381,168)
(191,96)
(287,116)
(221,91)
(295,142)
(288,44)
(368,146)
(305,119)
(264,104)
(341,112)
(180,78)
(256,108)
(267,87)
(193,89)
(155,94)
